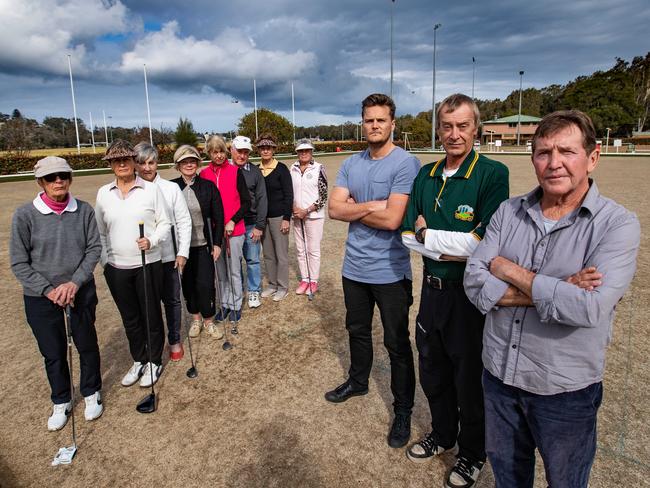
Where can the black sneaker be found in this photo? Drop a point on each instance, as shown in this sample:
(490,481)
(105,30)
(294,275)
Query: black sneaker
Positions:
(425,449)
(464,474)
(400,432)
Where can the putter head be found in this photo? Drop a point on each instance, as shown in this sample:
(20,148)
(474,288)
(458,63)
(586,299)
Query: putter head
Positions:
(192,372)
(64,456)
(147,404)
(310,296)
(227,346)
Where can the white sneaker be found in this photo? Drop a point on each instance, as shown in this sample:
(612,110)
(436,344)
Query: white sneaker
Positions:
(59,416)
(195,328)
(215,330)
(94,407)
(268,292)
(254,299)
(145,381)
(133,374)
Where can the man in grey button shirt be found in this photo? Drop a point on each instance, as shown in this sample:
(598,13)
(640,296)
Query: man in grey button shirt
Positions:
(547,329)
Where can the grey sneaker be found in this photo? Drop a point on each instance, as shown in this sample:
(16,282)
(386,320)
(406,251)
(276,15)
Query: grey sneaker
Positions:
(268,292)
(279,295)
(424,449)
(464,474)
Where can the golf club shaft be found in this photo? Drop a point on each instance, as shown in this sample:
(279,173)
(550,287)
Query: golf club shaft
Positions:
(146,306)
(304,241)
(229,273)
(216,275)
(180,292)
(68,331)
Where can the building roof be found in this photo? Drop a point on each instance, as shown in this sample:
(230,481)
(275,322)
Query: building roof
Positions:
(512,119)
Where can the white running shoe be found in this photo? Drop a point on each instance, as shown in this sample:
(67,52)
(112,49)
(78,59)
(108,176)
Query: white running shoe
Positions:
(254,299)
(145,381)
(133,374)
(215,329)
(59,416)
(195,328)
(94,406)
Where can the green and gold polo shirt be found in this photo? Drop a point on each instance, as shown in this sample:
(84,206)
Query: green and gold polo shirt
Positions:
(463,202)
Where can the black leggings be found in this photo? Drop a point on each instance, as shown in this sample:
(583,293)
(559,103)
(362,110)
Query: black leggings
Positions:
(198,282)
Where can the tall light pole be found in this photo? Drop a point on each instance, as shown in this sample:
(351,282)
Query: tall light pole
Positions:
(433,102)
(293,114)
(257,134)
(146,93)
(74,106)
(105,129)
(392,3)
(473,74)
(607,141)
(92,131)
(521,80)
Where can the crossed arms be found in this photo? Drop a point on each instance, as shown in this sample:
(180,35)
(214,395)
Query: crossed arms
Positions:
(379,214)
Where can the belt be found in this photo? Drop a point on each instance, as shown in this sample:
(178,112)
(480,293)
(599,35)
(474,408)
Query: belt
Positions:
(440,284)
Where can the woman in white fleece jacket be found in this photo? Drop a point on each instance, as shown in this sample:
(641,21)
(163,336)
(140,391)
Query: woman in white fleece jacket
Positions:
(121,206)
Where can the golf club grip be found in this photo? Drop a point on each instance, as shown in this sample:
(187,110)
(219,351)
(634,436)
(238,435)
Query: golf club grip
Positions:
(141,227)
(210,240)
(173,231)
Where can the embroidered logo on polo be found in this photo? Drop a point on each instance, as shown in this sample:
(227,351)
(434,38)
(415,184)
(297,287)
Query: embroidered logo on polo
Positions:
(464,213)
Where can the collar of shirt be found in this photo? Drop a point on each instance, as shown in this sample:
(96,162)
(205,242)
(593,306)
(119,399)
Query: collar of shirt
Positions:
(297,164)
(590,202)
(139,182)
(464,170)
(266,170)
(42,207)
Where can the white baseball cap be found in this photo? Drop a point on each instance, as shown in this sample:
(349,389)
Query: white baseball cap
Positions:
(242,142)
(304,144)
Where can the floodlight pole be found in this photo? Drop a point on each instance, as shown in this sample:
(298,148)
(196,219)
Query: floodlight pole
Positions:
(473,74)
(146,93)
(257,134)
(433,96)
(293,114)
(74,105)
(105,128)
(392,5)
(607,141)
(92,131)
(521,78)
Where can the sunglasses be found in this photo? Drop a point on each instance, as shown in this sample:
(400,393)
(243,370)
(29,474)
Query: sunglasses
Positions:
(51,178)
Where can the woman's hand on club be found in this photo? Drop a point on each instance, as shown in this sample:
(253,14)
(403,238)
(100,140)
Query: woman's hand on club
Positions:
(230,227)
(180,263)
(216,252)
(143,244)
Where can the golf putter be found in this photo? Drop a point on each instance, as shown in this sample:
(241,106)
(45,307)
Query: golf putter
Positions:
(192,372)
(148,403)
(227,345)
(310,295)
(234,328)
(66,454)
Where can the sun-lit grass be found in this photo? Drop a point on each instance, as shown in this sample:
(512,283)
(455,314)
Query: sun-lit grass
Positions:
(58,151)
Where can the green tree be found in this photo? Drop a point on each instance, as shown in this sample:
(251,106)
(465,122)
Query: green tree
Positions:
(267,121)
(185,133)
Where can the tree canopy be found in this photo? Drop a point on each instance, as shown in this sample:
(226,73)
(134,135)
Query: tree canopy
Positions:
(267,121)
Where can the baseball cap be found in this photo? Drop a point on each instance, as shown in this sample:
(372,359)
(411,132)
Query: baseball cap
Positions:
(242,142)
(51,164)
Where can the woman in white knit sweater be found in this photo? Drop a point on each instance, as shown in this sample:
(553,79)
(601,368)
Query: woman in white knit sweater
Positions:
(121,205)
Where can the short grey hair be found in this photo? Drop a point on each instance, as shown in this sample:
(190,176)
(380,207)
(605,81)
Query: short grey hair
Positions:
(145,152)
(452,102)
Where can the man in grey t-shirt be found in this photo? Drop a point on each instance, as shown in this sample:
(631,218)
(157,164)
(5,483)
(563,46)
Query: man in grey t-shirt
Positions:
(547,329)
(371,194)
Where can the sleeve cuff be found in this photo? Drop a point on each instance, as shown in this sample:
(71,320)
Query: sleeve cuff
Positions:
(543,293)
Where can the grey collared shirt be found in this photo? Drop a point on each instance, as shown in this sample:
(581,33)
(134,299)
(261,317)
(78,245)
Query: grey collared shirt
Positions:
(559,344)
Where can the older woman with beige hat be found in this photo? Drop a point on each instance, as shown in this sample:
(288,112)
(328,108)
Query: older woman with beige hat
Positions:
(121,206)
(54,249)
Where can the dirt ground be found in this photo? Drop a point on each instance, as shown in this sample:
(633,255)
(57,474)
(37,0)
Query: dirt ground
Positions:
(256,416)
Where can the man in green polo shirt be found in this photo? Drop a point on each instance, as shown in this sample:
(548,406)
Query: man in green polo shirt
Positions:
(450,206)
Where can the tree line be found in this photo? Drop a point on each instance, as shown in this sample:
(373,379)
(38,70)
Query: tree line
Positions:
(618,98)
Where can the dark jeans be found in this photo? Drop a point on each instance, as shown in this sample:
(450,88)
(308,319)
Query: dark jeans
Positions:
(198,282)
(47,323)
(127,288)
(171,288)
(449,335)
(562,427)
(393,300)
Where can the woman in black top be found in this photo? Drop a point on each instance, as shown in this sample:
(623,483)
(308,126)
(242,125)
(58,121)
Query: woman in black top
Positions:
(203,201)
(275,241)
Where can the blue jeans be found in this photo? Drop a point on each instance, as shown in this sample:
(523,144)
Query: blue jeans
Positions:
(252,257)
(562,427)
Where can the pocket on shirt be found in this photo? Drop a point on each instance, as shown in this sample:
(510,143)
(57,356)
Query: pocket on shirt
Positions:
(380,189)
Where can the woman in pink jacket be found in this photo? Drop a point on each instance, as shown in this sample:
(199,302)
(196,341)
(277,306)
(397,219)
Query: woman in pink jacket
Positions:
(309,198)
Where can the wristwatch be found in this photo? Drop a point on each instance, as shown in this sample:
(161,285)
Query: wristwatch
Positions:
(419,234)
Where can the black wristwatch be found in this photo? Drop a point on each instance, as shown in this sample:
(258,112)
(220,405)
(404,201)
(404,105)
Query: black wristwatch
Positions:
(419,234)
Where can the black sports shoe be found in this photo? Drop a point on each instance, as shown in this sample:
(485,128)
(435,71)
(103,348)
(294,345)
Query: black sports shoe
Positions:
(400,432)
(343,392)
(464,474)
(425,449)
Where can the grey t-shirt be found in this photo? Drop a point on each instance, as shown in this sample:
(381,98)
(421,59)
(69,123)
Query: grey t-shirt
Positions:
(373,255)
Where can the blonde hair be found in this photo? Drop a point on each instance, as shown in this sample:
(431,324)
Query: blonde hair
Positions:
(215,143)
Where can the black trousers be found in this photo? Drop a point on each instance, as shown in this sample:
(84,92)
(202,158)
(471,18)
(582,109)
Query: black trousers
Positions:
(47,323)
(449,338)
(198,282)
(127,288)
(393,301)
(171,288)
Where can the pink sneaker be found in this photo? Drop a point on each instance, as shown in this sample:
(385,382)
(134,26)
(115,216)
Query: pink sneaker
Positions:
(302,288)
(314,287)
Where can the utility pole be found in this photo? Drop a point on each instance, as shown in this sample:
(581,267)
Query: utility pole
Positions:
(521,78)
(433,103)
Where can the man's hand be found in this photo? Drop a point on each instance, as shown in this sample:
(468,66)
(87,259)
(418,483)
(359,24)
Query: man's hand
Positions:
(230,227)
(587,279)
(284,226)
(513,297)
(216,252)
(180,263)
(143,243)
(63,294)
(420,222)
(256,235)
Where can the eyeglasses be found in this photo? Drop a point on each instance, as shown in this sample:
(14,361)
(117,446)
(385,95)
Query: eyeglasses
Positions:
(51,178)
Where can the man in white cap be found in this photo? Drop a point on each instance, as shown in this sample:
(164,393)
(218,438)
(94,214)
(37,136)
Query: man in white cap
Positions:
(54,249)
(254,218)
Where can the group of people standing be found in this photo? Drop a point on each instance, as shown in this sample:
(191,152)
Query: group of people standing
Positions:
(156,239)
(517,300)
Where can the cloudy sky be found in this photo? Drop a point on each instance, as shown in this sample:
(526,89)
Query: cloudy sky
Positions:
(202,55)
